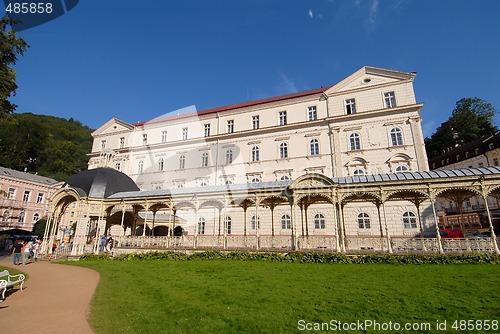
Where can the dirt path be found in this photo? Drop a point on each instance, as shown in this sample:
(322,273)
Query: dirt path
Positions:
(55,299)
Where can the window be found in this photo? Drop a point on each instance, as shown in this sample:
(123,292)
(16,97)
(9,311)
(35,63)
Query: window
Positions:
(204,160)
(363,220)
(283,150)
(36,217)
(11,193)
(103,145)
(164,136)
(319,221)
(201,225)
(350,107)
(39,198)
(255,122)
(227,181)
(495,161)
(118,166)
(140,166)
(144,139)
(227,224)
(409,220)
(122,142)
(182,162)
(20,219)
(184,133)
(160,165)
(204,184)
(256,180)
(284,178)
(207,130)
(255,153)
(396,137)
(229,157)
(358,171)
(314,147)
(312,115)
(480,164)
(355,141)
(390,100)
(230,126)
(255,222)
(26,196)
(286,222)
(282,118)
(401,169)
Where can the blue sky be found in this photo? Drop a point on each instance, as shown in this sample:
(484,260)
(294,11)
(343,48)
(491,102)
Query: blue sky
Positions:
(136,60)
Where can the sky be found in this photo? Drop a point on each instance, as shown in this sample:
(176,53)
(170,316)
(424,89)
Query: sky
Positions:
(137,60)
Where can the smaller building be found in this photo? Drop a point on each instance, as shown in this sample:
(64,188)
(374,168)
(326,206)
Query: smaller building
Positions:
(24,198)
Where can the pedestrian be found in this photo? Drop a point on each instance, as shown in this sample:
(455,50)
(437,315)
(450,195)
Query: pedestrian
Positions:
(54,248)
(16,251)
(36,249)
(109,243)
(103,243)
(26,253)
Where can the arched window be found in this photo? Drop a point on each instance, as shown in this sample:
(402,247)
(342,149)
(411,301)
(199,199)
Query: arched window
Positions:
(229,157)
(160,165)
(283,150)
(396,137)
(201,225)
(140,167)
(204,160)
(182,162)
(227,224)
(363,220)
(255,222)
(20,219)
(401,169)
(256,180)
(355,141)
(36,217)
(314,147)
(286,222)
(255,153)
(319,221)
(284,178)
(409,220)
(359,171)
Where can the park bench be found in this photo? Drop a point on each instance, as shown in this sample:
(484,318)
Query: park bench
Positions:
(7,281)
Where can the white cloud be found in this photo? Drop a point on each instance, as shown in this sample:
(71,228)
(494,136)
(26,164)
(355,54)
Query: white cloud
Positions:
(286,85)
(372,18)
(310,13)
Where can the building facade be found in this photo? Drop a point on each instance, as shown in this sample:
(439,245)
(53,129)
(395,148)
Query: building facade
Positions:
(24,198)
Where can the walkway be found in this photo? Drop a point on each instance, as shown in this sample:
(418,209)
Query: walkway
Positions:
(55,299)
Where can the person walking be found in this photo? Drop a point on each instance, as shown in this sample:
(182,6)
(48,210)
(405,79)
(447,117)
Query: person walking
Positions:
(103,243)
(16,252)
(26,253)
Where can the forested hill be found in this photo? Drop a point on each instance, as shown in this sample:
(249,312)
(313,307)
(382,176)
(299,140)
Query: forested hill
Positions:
(47,145)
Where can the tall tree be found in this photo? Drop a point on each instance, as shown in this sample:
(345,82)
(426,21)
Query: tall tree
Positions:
(471,119)
(11,46)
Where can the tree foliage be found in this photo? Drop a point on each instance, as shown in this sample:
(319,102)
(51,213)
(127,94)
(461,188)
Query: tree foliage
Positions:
(39,227)
(471,119)
(50,146)
(11,46)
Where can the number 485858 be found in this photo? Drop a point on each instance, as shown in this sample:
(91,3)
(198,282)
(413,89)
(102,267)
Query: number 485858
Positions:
(29,8)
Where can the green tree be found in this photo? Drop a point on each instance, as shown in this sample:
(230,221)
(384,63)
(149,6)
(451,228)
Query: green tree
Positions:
(39,228)
(11,46)
(471,119)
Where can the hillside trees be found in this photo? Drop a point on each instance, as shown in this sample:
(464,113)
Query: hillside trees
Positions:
(50,146)
(471,119)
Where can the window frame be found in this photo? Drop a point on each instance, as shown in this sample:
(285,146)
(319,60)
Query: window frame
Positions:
(364,221)
(390,100)
(182,161)
(286,222)
(314,146)
(283,150)
(312,113)
(350,106)
(255,153)
(396,135)
(319,221)
(354,141)
(230,126)
(255,122)
(282,118)
(409,220)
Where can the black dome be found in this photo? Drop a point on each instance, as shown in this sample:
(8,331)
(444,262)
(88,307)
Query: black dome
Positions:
(101,182)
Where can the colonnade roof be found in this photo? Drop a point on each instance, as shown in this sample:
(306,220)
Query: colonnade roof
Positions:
(405,176)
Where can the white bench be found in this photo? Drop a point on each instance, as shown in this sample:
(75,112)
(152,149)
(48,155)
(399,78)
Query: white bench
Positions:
(7,281)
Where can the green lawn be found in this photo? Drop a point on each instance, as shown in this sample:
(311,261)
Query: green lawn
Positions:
(230,296)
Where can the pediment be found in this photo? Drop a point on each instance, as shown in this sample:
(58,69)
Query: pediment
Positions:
(114,125)
(311,181)
(368,77)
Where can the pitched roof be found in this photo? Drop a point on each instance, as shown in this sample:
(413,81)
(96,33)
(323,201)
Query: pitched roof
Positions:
(35,178)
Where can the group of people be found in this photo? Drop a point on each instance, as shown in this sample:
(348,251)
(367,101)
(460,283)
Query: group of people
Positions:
(106,243)
(25,251)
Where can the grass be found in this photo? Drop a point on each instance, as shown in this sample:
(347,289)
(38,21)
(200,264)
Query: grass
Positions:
(229,296)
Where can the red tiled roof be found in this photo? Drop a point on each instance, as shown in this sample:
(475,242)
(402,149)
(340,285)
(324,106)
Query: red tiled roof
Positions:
(240,105)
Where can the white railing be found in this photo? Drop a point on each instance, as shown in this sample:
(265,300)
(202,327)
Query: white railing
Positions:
(399,245)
